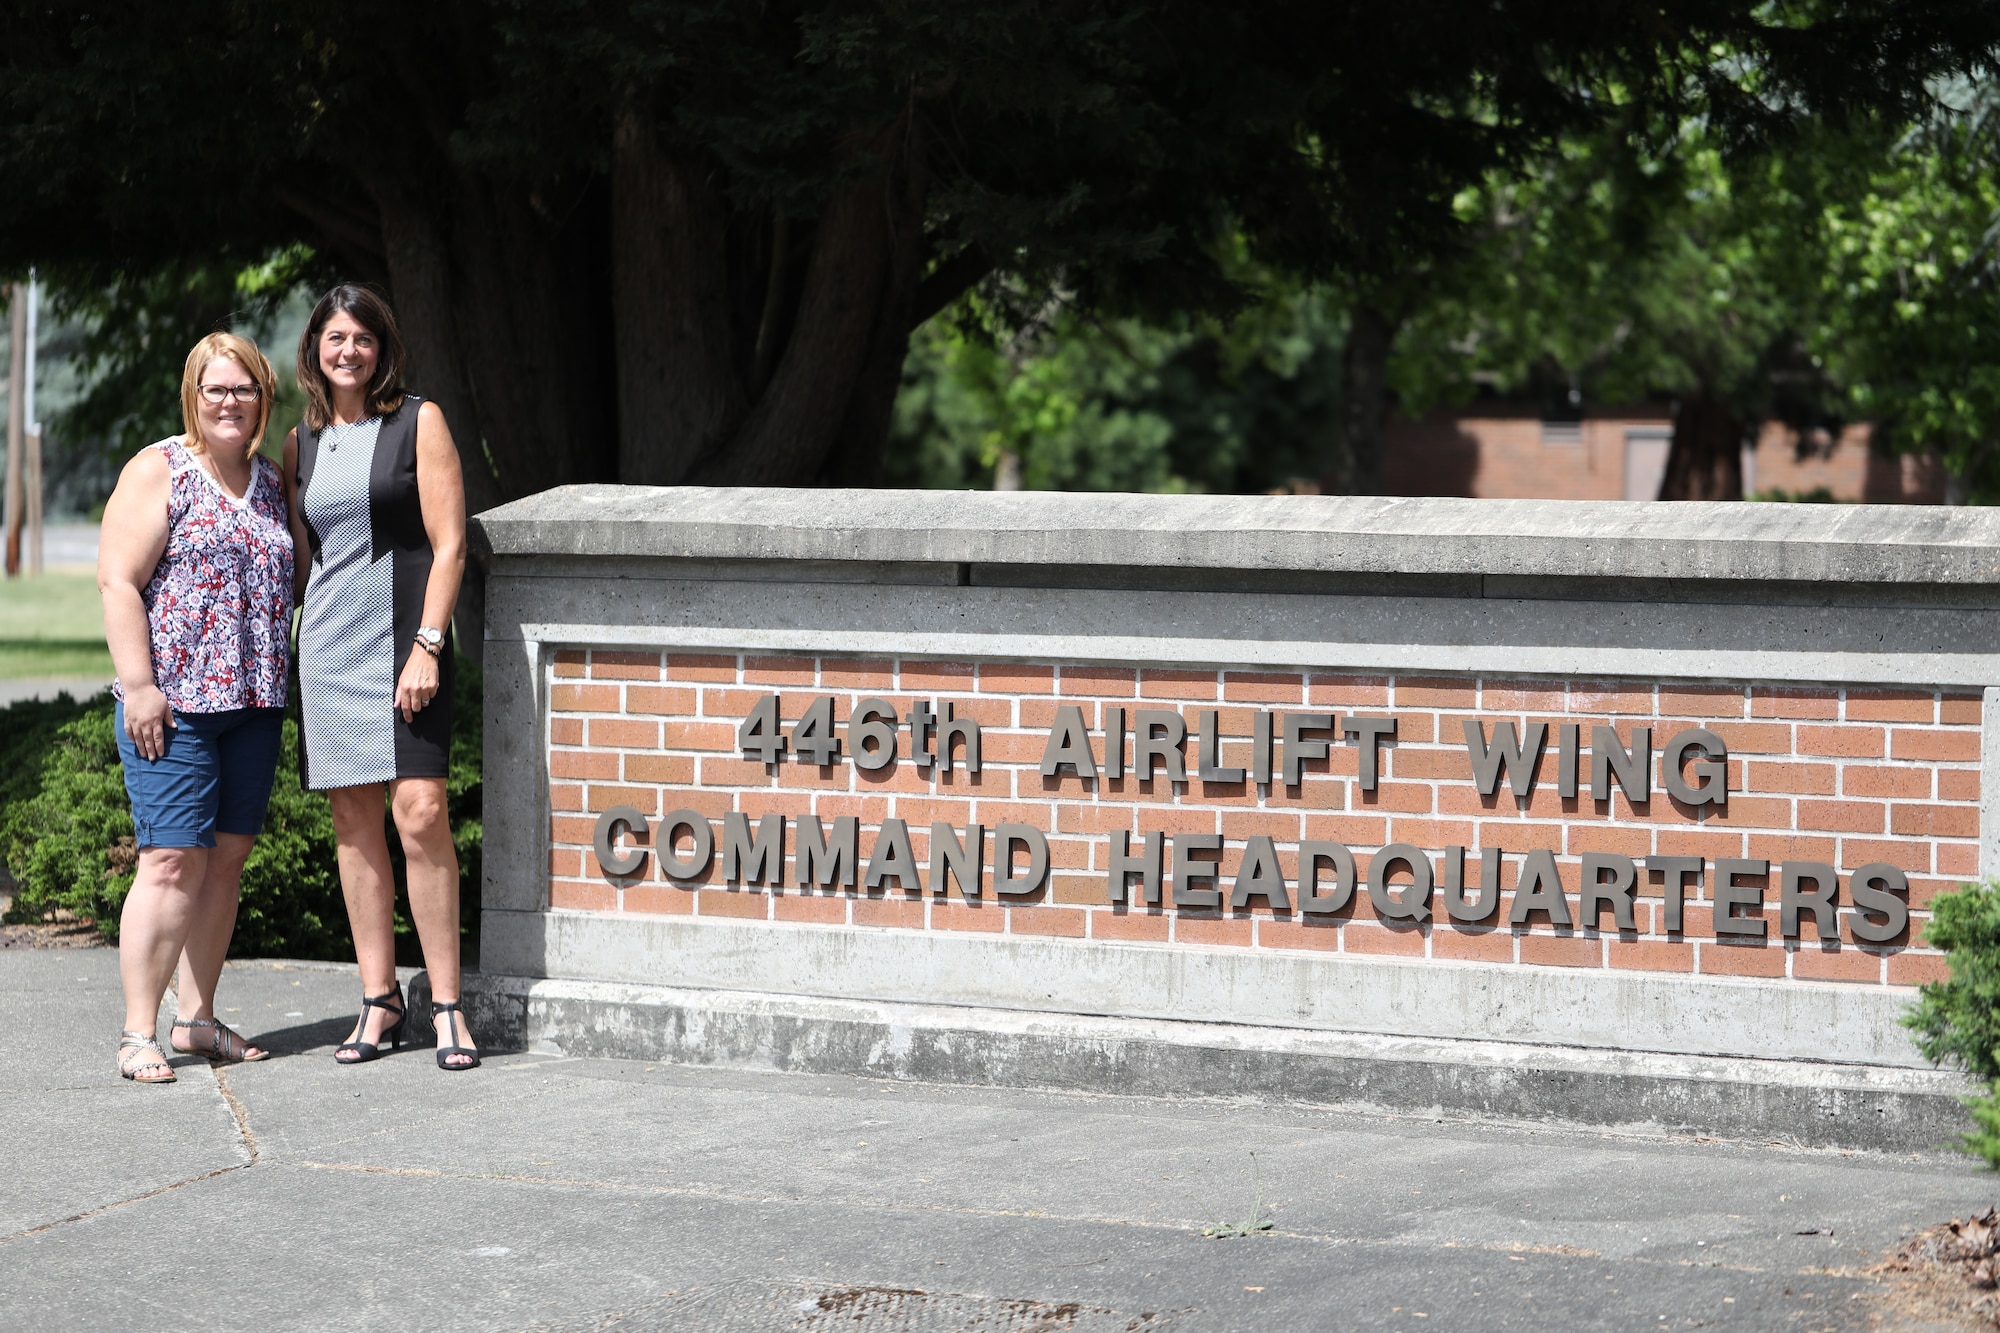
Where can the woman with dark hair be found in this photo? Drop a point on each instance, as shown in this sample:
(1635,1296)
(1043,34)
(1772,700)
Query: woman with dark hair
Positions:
(378,516)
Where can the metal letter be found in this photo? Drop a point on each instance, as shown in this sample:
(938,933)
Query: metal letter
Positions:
(1260,875)
(963,861)
(761,736)
(1297,749)
(1165,748)
(1187,870)
(1729,895)
(821,861)
(614,864)
(1146,866)
(1566,760)
(1367,734)
(1617,891)
(1634,766)
(814,740)
(1314,852)
(1890,899)
(695,863)
(1540,890)
(1260,746)
(1415,904)
(1826,920)
(1712,768)
(964,729)
(1208,751)
(893,859)
(1676,870)
(922,722)
(866,725)
(1453,889)
(753,862)
(1114,742)
(1005,838)
(1069,743)
(1509,751)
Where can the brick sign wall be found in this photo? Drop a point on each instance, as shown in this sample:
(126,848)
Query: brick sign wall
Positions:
(1842,778)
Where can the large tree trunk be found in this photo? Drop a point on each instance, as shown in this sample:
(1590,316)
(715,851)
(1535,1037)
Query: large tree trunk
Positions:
(851,320)
(1365,370)
(1705,461)
(420,279)
(680,395)
(644,332)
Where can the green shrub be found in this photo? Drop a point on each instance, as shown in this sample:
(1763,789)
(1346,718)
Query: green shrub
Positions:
(1957,1021)
(66,831)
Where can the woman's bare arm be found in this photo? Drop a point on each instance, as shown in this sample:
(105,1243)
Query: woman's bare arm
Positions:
(133,538)
(301,546)
(441,491)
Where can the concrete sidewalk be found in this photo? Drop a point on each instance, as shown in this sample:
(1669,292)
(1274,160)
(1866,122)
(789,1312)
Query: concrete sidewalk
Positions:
(565,1194)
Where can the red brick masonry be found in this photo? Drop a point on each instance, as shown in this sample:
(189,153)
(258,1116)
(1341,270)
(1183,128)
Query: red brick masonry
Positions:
(1847,777)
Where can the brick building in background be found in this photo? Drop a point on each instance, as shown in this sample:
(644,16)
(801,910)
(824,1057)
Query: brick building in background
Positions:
(1494,453)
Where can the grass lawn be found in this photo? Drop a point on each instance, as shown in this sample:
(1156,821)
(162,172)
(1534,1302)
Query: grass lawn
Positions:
(52,626)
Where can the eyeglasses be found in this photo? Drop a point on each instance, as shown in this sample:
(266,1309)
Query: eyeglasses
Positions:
(242,393)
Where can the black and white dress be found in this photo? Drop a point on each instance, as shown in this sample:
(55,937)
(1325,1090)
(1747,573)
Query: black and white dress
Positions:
(371,564)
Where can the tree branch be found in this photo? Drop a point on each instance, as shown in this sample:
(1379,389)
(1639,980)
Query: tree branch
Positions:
(947,282)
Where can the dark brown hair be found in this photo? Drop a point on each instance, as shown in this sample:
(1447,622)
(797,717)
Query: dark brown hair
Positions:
(371,312)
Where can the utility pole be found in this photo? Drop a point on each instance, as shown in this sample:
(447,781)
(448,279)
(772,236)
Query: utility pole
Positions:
(17,374)
(32,459)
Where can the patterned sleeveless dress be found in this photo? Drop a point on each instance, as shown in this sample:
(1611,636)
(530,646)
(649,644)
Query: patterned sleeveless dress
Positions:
(219,604)
(371,564)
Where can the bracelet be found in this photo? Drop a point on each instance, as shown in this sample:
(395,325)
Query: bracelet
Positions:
(427,648)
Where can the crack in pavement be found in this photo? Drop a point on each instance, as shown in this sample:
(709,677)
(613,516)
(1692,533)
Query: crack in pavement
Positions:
(1184,1228)
(248,1139)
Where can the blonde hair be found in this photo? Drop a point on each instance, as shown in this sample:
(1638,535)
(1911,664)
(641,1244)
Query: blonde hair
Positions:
(244,353)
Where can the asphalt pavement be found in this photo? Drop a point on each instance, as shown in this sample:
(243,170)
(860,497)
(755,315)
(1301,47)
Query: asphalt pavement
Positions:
(548,1193)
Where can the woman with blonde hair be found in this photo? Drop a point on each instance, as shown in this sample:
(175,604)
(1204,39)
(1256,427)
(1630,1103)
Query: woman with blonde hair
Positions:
(378,524)
(195,568)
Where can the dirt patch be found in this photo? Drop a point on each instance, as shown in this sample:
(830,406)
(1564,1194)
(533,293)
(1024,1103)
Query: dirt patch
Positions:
(1944,1276)
(65,931)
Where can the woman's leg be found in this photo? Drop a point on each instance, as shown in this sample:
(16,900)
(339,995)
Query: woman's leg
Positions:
(368,882)
(153,927)
(424,822)
(212,923)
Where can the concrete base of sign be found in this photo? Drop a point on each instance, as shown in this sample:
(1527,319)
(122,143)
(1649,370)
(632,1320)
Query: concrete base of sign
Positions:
(1730,1017)
(1795,1102)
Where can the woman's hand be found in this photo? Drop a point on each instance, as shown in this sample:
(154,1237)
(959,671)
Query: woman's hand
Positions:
(147,718)
(419,684)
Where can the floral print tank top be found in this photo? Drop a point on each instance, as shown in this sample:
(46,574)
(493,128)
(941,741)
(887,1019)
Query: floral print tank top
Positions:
(219,604)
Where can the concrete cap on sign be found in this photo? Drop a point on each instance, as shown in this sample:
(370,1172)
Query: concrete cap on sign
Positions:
(1910,544)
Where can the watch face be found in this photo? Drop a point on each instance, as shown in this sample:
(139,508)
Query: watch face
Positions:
(431,636)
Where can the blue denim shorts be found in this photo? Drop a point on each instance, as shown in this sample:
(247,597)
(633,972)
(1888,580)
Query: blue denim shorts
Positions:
(215,776)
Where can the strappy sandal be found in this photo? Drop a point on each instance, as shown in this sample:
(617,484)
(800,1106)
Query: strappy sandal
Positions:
(139,1041)
(226,1046)
(445,1052)
(361,1052)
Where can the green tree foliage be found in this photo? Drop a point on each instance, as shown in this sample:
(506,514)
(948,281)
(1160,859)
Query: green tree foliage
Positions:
(1619,272)
(1246,403)
(137,328)
(1958,1020)
(1910,230)
(658,240)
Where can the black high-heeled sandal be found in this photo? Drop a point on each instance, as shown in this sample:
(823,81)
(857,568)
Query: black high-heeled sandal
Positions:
(472,1056)
(364,1051)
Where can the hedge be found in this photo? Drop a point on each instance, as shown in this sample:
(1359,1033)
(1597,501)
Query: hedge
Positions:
(66,831)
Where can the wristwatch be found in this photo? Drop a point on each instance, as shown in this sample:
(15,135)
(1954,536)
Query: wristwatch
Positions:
(429,639)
